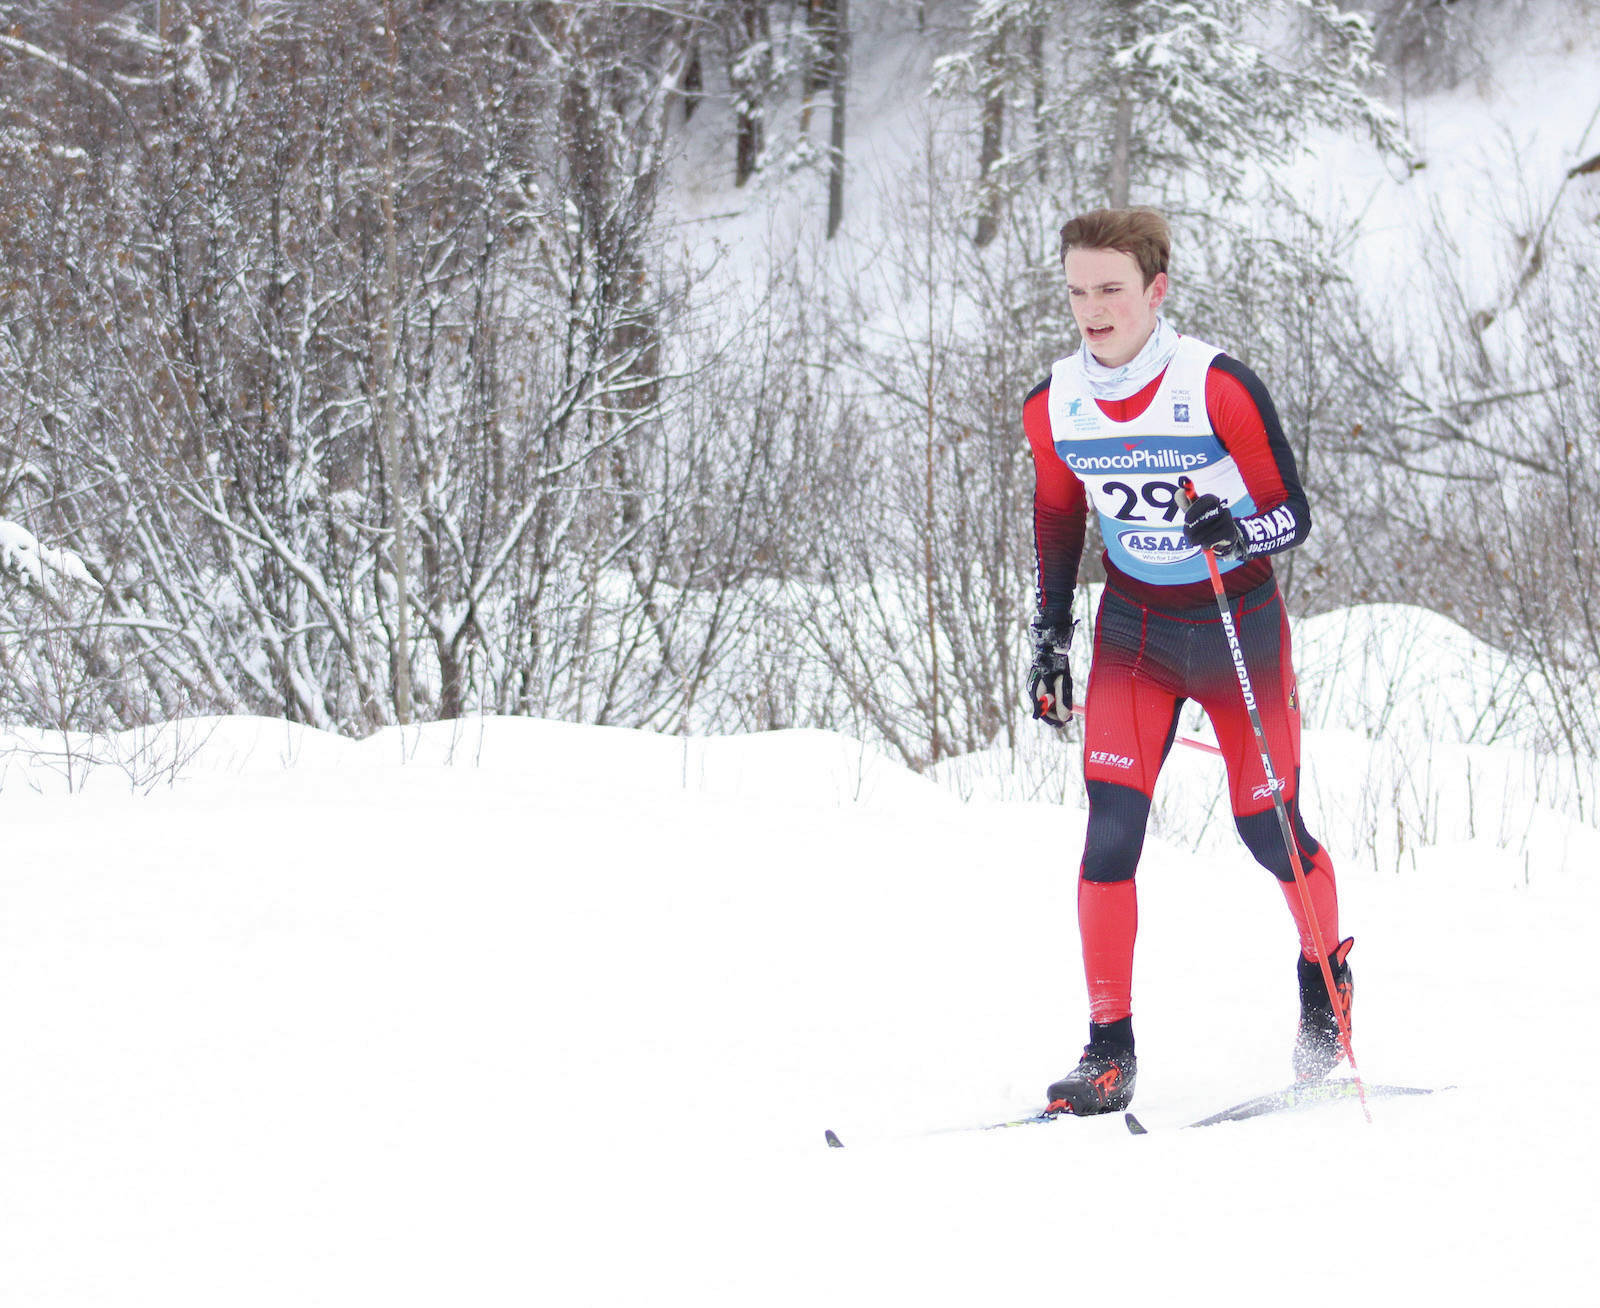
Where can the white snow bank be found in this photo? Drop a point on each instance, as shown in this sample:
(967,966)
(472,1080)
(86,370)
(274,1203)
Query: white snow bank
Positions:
(807,768)
(1395,670)
(528,1019)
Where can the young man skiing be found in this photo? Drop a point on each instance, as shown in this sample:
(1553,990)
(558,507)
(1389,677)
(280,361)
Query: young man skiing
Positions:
(1117,425)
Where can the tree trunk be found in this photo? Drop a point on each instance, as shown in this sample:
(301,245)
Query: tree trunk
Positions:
(389,423)
(839,38)
(990,140)
(692,85)
(1118,178)
(1036,75)
(930,464)
(1117,184)
(750,81)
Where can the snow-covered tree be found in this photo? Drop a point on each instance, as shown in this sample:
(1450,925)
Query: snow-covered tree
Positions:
(1145,100)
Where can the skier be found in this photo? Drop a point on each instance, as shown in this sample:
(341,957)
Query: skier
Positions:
(1116,424)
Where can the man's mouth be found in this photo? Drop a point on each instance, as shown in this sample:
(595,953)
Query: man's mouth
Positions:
(1098,333)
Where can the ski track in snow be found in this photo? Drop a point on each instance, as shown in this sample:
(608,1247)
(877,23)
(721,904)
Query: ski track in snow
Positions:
(529,1012)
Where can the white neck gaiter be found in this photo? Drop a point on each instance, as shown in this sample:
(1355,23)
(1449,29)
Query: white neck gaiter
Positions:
(1119,383)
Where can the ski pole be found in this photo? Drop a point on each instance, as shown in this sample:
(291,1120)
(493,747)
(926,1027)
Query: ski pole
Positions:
(1205,747)
(1236,651)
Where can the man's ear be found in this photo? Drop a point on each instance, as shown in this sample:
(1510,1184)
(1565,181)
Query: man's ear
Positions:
(1157,289)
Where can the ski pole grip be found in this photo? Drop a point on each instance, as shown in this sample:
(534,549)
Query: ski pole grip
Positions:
(1186,490)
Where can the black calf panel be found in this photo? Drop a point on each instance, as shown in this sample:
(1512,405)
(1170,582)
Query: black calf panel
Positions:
(1264,838)
(1118,816)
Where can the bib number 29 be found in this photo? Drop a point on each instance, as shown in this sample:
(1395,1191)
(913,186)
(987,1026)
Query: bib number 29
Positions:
(1159,495)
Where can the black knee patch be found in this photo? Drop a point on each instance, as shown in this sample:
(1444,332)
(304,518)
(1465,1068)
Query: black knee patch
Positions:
(1264,838)
(1118,816)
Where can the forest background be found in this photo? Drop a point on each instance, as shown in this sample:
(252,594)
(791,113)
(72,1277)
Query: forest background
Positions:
(660,364)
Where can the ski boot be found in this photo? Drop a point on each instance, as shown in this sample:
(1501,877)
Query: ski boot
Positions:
(1317,1047)
(1102,1082)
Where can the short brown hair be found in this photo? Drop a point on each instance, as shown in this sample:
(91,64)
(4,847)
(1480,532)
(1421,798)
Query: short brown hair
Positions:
(1140,232)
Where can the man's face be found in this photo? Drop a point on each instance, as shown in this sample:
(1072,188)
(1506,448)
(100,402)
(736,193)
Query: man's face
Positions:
(1114,309)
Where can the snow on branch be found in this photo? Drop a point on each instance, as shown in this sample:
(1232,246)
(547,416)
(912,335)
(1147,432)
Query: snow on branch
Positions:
(23,557)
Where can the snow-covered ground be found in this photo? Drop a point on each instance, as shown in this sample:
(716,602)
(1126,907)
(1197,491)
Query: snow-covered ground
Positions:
(518,1012)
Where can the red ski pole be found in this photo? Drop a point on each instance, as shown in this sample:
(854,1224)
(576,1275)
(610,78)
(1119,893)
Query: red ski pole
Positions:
(1282,809)
(1205,747)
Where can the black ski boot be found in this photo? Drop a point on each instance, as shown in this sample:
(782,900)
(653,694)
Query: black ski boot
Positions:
(1317,1048)
(1102,1082)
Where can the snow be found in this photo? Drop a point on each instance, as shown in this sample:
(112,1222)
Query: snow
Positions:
(512,1011)
(22,555)
(1493,155)
(509,1012)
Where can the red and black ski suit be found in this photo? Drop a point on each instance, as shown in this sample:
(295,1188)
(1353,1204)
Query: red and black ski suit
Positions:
(1159,642)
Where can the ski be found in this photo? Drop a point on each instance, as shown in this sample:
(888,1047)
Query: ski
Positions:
(1048,1114)
(1033,1119)
(1292,1099)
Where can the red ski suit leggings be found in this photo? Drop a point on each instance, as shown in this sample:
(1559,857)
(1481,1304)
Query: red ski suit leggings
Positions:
(1147,662)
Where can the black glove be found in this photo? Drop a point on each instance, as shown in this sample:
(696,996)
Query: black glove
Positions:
(1050,679)
(1208,524)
